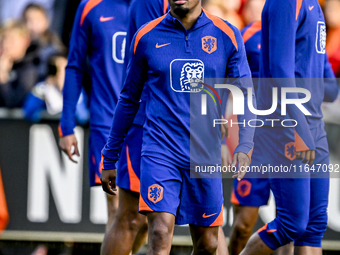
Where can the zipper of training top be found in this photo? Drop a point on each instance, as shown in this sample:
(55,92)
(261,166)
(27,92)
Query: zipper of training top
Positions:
(187,42)
(186,37)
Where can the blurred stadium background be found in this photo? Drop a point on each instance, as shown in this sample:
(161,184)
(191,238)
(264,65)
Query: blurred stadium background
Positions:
(46,206)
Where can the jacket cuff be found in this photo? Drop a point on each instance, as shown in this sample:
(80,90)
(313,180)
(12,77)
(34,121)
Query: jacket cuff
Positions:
(64,131)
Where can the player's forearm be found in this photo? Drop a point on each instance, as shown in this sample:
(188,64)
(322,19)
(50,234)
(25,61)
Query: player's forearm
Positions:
(331,90)
(246,131)
(71,93)
(122,121)
(302,129)
(294,113)
(284,77)
(331,84)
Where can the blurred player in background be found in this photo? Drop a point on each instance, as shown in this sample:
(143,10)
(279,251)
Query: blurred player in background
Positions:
(168,194)
(332,10)
(129,226)
(98,34)
(287,30)
(250,193)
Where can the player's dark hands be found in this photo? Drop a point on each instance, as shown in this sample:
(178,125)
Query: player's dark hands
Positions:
(306,156)
(226,157)
(68,142)
(108,179)
(243,163)
(225,131)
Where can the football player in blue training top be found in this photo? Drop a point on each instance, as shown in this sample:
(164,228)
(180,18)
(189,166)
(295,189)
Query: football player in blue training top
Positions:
(171,57)
(99,34)
(293,46)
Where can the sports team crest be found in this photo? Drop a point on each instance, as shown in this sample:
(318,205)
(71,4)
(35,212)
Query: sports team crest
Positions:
(243,188)
(155,193)
(189,77)
(192,77)
(321,38)
(209,44)
(290,151)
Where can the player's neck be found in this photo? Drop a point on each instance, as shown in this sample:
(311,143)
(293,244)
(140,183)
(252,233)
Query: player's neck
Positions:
(190,18)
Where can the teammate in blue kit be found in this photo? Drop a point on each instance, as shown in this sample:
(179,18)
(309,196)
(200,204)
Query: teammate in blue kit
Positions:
(98,34)
(172,56)
(293,45)
(129,226)
(251,192)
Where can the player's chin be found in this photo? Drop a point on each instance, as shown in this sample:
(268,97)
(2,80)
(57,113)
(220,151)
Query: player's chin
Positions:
(181,10)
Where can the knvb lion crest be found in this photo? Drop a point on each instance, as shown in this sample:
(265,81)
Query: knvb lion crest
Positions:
(192,77)
(155,193)
(290,151)
(243,188)
(209,44)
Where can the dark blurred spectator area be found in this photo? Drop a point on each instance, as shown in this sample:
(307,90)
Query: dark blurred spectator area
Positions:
(60,12)
(34,36)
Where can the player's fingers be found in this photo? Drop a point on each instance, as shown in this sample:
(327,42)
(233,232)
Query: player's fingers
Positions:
(229,160)
(61,144)
(235,172)
(242,170)
(307,157)
(298,154)
(76,150)
(234,161)
(246,162)
(238,175)
(113,187)
(302,155)
(69,154)
(112,184)
(241,175)
(222,133)
(312,158)
(107,188)
(65,147)
(104,187)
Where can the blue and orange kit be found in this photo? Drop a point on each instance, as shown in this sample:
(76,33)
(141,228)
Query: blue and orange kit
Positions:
(142,12)
(106,58)
(175,65)
(252,40)
(298,67)
(293,56)
(128,167)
